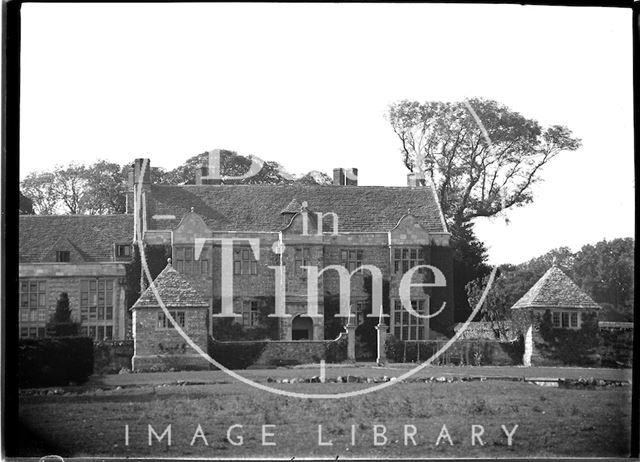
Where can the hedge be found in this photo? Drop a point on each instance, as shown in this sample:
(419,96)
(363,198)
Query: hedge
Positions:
(236,355)
(45,362)
(462,352)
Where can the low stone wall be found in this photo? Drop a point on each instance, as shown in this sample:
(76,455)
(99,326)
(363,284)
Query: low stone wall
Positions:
(461,352)
(284,353)
(261,353)
(109,357)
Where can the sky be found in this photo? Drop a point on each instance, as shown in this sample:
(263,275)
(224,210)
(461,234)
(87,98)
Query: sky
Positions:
(307,85)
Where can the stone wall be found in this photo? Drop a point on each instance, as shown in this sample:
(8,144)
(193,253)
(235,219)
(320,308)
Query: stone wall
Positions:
(164,348)
(282,353)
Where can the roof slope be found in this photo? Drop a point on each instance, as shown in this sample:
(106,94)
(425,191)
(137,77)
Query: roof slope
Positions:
(92,236)
(259,207)
(174,291)
(555,290)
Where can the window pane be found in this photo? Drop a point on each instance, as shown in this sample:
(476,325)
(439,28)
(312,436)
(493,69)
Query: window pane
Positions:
(42,286)
(109,312)
(204,267)
(245,254)
(245,267)
(188,254)
(92,331)
(100,332)
(254,267)
(236,267)
(108,332)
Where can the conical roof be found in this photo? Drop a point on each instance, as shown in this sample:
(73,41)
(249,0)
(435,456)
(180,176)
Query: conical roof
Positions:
(174,290)
(555,290)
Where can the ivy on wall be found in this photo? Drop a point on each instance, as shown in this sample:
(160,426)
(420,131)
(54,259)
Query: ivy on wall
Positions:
(267,328)
(571,346)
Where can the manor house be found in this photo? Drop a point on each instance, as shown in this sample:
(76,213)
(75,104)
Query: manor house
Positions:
(391,228)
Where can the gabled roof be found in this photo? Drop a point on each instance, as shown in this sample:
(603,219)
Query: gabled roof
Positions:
(555,290)
(92,236)
(259,207)
(174,291)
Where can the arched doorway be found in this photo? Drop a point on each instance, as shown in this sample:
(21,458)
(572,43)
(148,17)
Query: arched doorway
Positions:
(302,328)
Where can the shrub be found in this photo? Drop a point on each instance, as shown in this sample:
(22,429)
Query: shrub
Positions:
(336,351)
(57,361)
(236,355)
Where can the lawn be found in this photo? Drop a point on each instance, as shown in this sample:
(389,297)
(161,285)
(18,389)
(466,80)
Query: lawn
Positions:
(408,417)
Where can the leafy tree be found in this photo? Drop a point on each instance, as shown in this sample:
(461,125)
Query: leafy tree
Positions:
(39,187)
(105,188)
(469,256)
(26,205)
(70,183)
(475,177)
(315,178)
(606,271)
(61,323)
(231,164)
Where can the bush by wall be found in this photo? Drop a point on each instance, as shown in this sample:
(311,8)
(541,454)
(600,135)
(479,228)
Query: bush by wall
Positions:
(236,355)
(243,354)
(110,356)
(336,350)
(58,361)
(461,352)
(617,348)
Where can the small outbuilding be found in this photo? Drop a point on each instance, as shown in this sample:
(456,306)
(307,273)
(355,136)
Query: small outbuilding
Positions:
(157,343)
(555,292)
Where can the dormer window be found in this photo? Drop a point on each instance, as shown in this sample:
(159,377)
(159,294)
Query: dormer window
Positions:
(63,256)
(123,250)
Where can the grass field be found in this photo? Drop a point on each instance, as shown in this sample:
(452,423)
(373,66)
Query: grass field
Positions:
(551,421)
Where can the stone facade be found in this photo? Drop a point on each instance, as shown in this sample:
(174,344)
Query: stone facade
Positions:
(164,348)
(315,226)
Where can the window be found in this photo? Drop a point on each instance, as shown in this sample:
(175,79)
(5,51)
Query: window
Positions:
(351,259)
(123,250)
(33,293)
(164,323)
(243,262)
(406,258)
(565,319)
(406,326)
(249,313)
(574,319)
(187,263)
(63,256)
(96,308)
(302,258)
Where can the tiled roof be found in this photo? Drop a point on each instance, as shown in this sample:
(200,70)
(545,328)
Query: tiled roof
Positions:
(293,207)
(555,290)
(91,236)
(174,291)
(259,207)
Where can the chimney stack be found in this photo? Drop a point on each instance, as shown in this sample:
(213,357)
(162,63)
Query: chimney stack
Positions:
(345,176)
(201,176)
(416,180)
